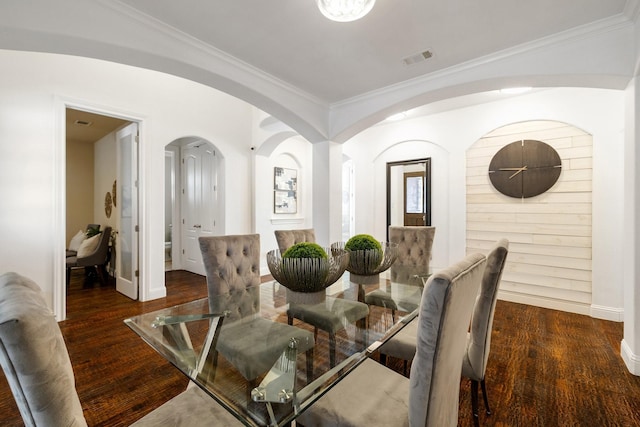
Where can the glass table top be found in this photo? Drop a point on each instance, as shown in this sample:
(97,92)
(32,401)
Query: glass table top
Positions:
(240,349)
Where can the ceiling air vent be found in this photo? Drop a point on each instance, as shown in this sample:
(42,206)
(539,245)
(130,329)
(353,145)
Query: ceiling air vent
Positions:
(418,57)
(82,123)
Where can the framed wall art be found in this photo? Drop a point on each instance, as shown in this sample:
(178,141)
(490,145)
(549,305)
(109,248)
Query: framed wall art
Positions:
(285,190)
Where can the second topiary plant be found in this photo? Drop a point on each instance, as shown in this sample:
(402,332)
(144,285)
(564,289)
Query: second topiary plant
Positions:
(305,250)
(362,242)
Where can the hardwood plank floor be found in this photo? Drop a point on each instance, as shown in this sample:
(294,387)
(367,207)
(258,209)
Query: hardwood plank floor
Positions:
(547,368)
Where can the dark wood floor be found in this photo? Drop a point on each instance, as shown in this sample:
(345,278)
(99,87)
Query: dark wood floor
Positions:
(547,368)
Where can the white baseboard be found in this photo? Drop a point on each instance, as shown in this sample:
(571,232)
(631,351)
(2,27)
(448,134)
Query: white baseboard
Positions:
(613,314)
(631,360)
(607,313)
(155,294)
(538,301)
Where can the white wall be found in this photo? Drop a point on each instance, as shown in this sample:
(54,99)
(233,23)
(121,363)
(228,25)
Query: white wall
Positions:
(32,104)
(446,136)
(292,153)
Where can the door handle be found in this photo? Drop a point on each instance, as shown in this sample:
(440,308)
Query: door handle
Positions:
(197,226)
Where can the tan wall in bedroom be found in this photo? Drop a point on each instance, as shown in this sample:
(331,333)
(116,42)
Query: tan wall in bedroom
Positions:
(79,177)
(550,234)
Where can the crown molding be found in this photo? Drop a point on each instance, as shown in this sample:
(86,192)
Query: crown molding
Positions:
(589,30)
(208,51)
(632,10)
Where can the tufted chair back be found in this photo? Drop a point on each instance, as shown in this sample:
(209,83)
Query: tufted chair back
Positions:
(34,357)
(414,253)
(479,342)
(443,319)
(232,264)
(288,238)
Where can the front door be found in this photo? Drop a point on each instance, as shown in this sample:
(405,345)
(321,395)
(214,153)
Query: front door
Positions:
(199,201)
(127,196)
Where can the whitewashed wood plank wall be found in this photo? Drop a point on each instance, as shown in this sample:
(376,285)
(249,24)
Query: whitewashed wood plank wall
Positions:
(549,260)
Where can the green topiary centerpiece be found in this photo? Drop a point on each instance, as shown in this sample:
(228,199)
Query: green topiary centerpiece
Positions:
(307,267)
(367,257)
(305,250)
(362,242)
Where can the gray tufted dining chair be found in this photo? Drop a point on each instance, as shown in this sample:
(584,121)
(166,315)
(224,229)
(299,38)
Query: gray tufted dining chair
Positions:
(408,270)
(330,317)
(374,395)
(414,253)
(36,363)
(288,238)
(250,342)
(474,363)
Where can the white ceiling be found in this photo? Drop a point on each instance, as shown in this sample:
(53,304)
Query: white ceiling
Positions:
(291,40)
(329,80)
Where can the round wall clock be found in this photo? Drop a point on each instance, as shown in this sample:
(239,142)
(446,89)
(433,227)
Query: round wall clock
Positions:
(525,168)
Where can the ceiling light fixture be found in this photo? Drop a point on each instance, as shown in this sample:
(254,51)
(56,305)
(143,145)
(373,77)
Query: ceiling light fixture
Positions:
(345,10)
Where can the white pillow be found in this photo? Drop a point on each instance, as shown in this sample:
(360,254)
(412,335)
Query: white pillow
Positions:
(76,240)
(89,246)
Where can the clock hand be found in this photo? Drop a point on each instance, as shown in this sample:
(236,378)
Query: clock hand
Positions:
(524,168)
(509,169)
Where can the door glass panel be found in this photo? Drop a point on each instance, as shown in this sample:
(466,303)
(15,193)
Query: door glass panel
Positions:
(126,210)
(415,195)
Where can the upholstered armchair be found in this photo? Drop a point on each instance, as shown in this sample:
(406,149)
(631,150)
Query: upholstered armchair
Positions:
(92,254)
(329,315)
(373,395)
(36,363)
(250,342)
(474,363)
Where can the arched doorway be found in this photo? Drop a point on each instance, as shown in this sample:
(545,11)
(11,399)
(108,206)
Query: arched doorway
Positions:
(192,201)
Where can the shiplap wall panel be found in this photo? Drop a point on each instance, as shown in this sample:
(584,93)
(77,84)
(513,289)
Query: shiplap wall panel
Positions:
(550,234)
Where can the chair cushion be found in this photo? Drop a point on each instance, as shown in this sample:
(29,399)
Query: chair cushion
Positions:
(403,344)
(34,356)
(372,395)
(253,345)
(191,408)
(88,246)
(331,315)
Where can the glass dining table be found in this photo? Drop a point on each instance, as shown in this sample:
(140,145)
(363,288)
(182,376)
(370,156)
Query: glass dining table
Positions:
(190,336)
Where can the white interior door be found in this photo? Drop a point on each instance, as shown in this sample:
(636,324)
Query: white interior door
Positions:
(127,241)
(199,202)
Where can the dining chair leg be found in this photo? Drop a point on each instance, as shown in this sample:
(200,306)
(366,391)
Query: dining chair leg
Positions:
(484,395)
(474,402)
(332,349)
(309,357)
(383,359)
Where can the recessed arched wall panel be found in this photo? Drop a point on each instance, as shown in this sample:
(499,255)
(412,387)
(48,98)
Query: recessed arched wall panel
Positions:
(293,154)
(550,235)
(370,163)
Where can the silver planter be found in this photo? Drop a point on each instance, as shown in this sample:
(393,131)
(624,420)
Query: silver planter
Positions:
(307,275)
